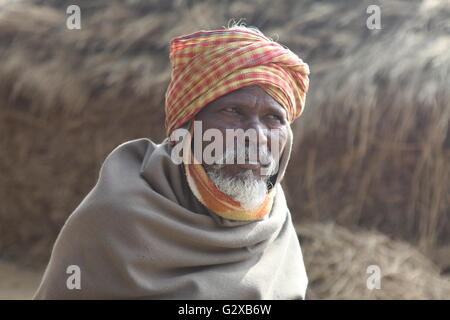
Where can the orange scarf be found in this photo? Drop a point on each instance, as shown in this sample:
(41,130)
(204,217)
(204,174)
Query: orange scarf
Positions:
(214,199)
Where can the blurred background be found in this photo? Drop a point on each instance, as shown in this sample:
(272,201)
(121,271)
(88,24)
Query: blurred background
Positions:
(369,179)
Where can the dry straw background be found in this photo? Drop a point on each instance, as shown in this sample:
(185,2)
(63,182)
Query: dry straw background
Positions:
(369,179)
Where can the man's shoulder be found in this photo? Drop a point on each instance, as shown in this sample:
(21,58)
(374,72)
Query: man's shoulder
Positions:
(118,178)
(129,153)
(120,171)
(136,147)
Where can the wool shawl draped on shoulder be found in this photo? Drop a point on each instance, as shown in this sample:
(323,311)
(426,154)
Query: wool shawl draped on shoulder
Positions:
(140,233)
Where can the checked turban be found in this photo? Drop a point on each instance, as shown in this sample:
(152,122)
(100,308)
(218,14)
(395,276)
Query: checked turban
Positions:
(209,64)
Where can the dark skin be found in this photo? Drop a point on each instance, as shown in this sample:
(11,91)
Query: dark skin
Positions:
(248,107)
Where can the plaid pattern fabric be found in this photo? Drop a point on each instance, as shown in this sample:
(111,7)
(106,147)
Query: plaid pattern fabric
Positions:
(209,64)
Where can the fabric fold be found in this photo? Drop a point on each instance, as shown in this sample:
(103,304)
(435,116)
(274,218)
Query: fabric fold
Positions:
(140,233)
(209,64)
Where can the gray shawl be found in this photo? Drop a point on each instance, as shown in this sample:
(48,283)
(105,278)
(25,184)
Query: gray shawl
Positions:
(140,233)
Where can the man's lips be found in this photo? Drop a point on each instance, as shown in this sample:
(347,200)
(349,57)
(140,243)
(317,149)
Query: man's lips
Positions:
(251,166)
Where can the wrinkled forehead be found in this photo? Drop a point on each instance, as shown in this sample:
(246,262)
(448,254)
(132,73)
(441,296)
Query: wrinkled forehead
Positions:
(245,97)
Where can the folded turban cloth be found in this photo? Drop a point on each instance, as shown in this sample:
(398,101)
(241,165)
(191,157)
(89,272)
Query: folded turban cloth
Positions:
(209,64)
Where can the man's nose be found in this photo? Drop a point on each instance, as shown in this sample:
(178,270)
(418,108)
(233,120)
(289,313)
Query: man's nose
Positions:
(259,135)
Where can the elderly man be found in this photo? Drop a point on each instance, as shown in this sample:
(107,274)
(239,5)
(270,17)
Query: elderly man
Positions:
(201,225)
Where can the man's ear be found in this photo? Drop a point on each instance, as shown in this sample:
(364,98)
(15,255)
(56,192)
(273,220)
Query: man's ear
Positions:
(271,182)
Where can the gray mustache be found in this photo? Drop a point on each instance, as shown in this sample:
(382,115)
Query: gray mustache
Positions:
(242,155)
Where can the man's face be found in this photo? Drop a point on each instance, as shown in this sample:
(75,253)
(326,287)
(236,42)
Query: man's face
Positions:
(246,108)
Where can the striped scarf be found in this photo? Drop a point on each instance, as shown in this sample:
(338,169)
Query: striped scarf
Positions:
(209,64)
(212,198)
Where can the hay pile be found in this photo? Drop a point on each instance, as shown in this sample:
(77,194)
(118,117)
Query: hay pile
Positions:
(337,259)
(18,283)
(66,100)
(373,148)
(68,97)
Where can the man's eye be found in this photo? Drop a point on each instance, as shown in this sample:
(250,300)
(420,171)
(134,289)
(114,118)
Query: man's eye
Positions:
(230,109)
(275,117)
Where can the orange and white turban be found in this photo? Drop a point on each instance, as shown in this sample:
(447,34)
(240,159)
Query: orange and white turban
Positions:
(209,64)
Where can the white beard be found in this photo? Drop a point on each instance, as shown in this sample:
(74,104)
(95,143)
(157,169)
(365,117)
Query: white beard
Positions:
(246,189)
(249,191)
